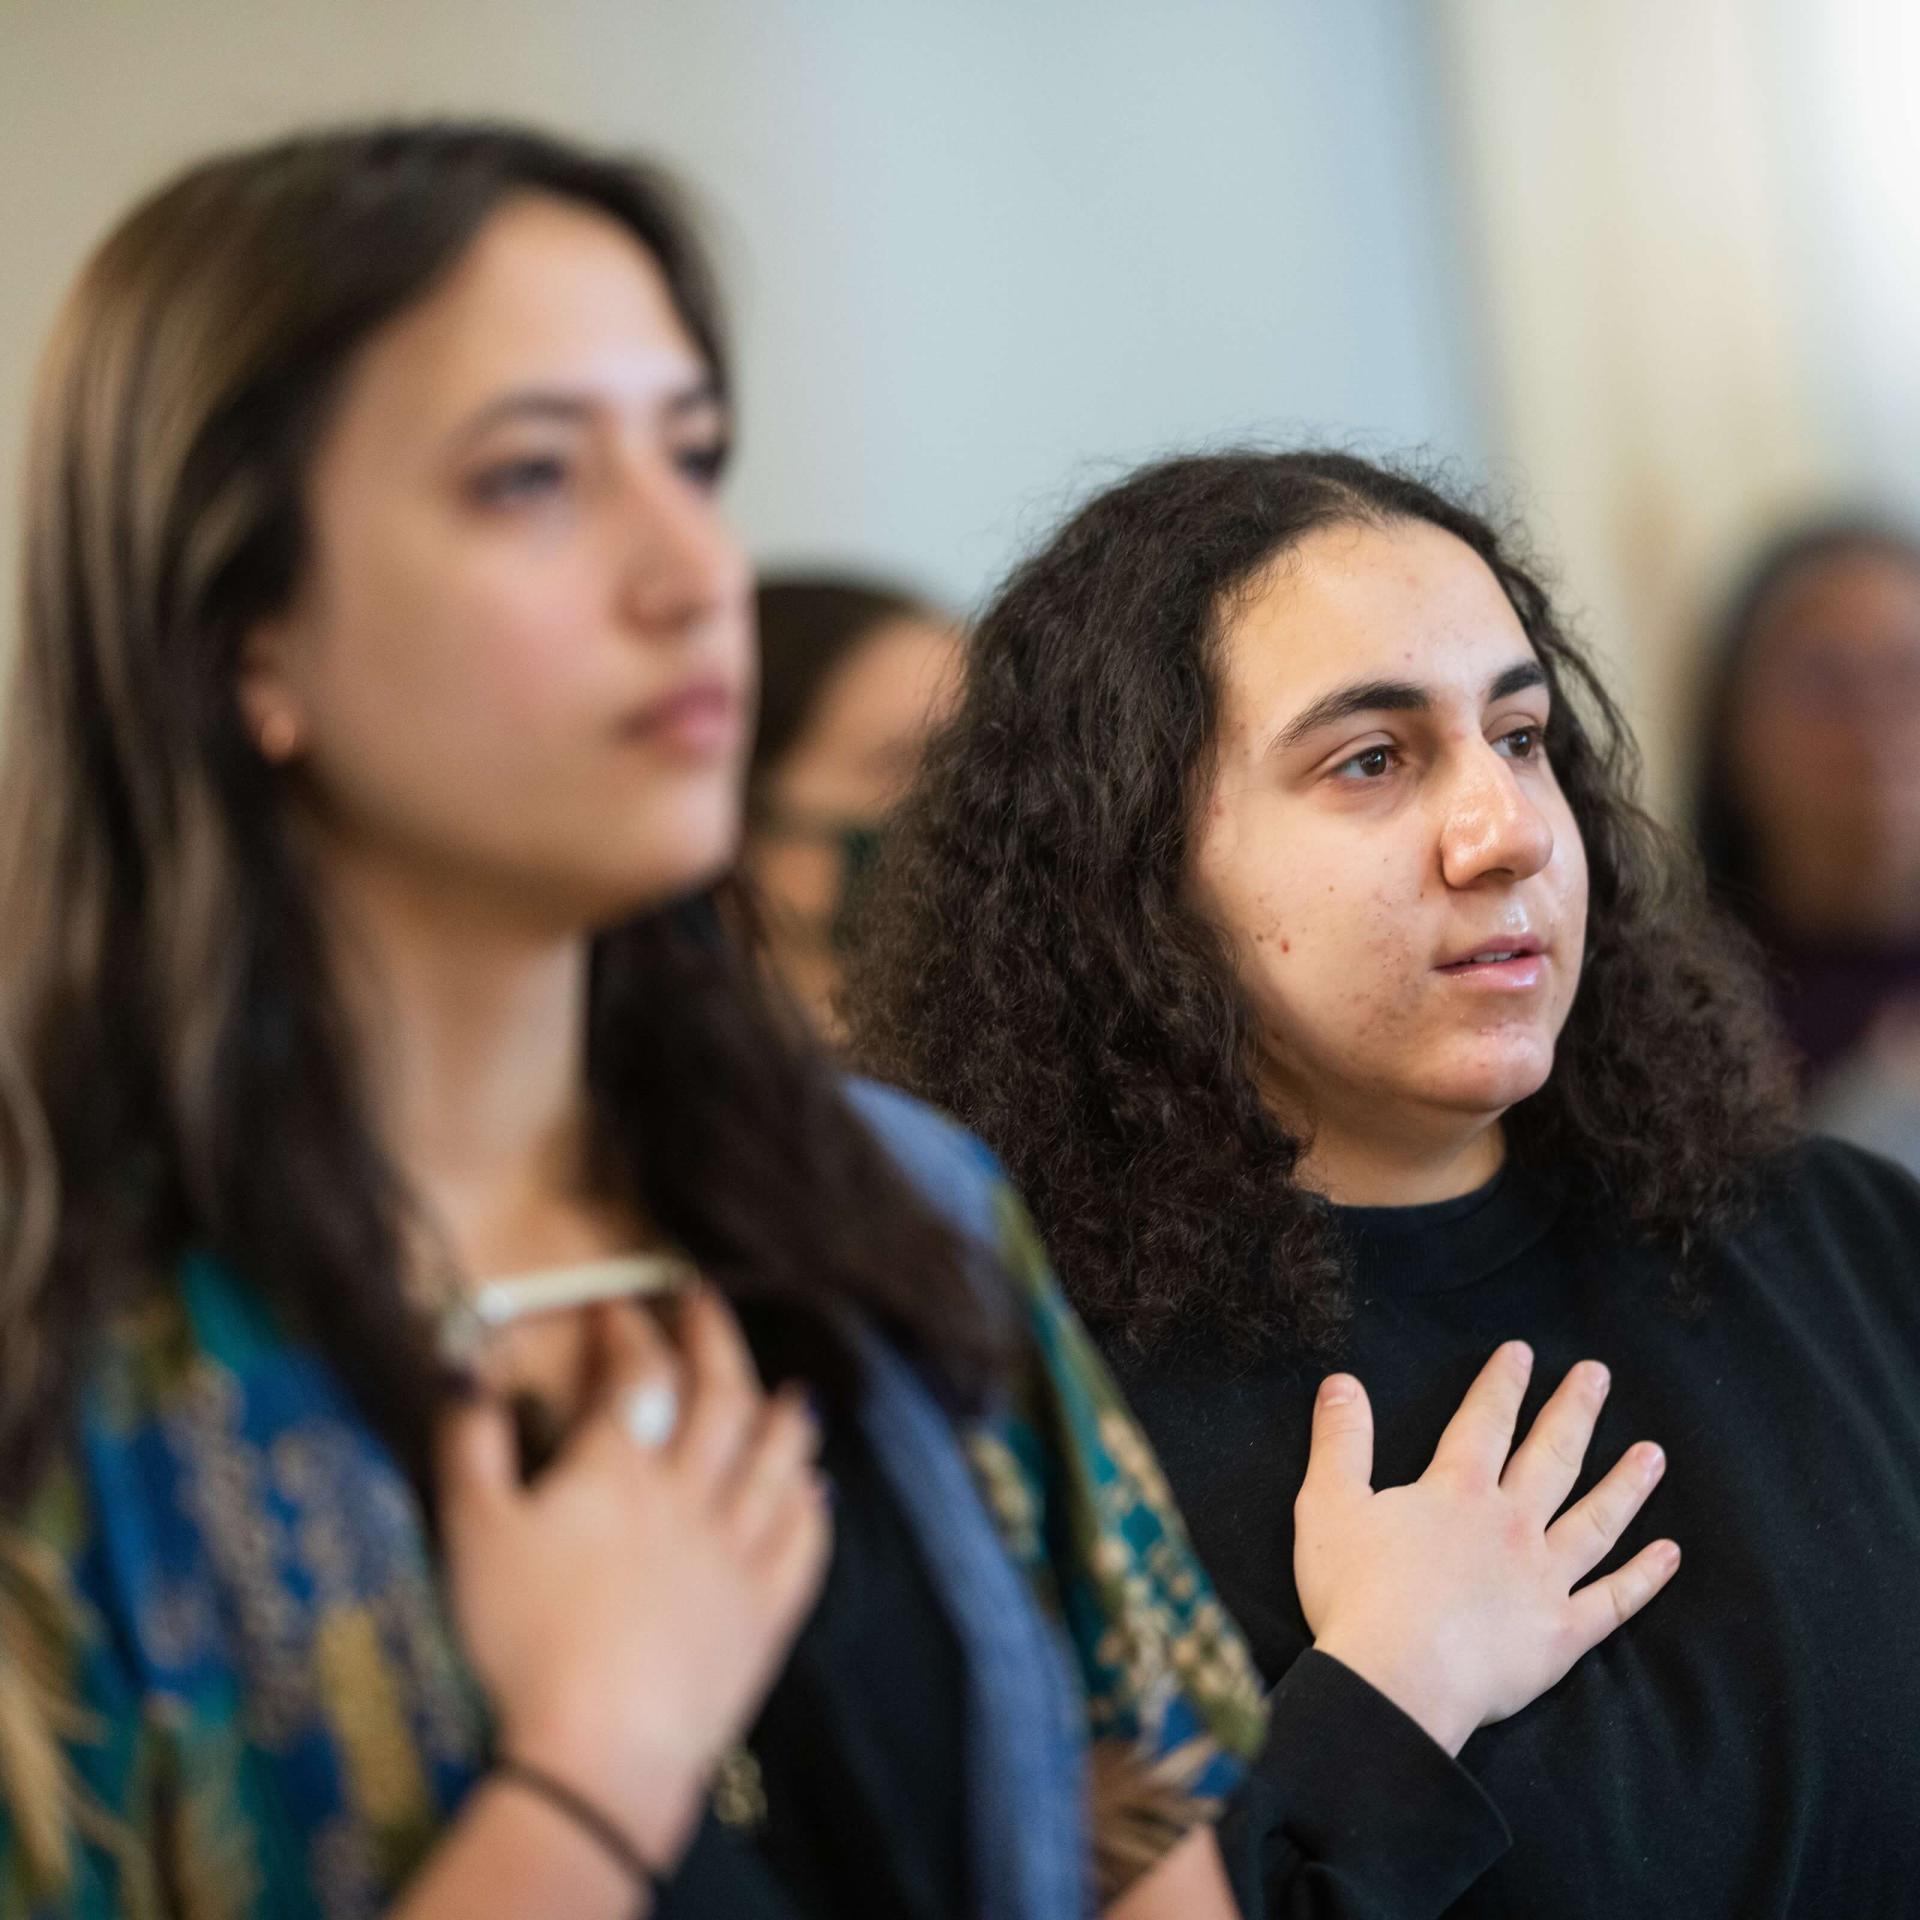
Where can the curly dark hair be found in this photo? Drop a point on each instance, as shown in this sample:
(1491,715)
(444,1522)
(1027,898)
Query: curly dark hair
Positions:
(1032,964)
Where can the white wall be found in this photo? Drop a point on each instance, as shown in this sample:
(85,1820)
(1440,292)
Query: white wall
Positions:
(980,250)
(1643,310)
(1845,78)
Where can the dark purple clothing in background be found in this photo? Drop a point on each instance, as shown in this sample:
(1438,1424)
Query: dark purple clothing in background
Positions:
(1830,997)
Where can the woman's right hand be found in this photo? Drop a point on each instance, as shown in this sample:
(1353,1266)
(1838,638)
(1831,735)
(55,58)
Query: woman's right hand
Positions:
(628,1611)
(1453,1596)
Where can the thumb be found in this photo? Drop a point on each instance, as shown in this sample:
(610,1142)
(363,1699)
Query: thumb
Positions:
(1340,1459)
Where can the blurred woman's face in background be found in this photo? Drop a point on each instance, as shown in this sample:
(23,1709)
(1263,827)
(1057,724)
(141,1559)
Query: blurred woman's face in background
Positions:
(519,661)
(826,800)
(1825,747)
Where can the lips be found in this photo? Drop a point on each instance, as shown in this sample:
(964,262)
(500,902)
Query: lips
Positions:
(703,713)
(1493,953)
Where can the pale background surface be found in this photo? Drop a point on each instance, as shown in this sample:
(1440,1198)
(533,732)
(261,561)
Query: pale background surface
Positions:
(980,252)
(1652,266)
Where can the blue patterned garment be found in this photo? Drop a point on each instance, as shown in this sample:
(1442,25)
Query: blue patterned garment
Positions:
(248,1656)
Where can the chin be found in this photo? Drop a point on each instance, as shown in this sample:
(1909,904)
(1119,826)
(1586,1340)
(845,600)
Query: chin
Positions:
(1492,1086)
(654,875)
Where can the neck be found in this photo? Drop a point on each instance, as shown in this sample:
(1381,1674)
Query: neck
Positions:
(472,1029)
(1406,1170)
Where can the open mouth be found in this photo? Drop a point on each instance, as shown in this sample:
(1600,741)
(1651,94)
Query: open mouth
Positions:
(1519,963)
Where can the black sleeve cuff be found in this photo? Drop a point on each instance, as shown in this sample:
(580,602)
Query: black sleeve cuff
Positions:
(722,1877)
(1352,1811)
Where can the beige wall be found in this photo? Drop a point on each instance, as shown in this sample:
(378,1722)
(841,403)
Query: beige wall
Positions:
(1698,275)
(980,251)
(1632,212)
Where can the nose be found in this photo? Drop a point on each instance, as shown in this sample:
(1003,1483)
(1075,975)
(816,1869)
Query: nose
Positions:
(1493,829)
(684,564)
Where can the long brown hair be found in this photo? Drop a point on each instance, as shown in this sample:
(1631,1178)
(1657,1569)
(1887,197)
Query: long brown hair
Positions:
(174,1070)
(1031,960)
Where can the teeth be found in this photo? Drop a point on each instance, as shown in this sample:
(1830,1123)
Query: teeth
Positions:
(1490,959)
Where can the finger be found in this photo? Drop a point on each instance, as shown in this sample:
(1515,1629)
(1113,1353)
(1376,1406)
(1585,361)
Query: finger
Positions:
(778,1456)
(1340,1452)
(625,1347)
(723,1389)
(792,1558)
(1547,1462)
(628,1353)
(1605,1604)
(1585,1534)
(1480,1435)
(476,1463)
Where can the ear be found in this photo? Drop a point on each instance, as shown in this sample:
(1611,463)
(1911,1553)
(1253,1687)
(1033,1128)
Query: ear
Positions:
(270,707)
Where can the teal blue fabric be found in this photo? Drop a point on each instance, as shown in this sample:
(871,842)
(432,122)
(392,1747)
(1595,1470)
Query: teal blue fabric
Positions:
(244,1604)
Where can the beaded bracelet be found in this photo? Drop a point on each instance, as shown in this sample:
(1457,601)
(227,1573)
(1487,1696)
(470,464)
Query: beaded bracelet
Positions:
(584,1814)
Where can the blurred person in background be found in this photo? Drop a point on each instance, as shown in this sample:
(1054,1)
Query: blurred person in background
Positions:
(855,675)
(1807,808)
(1278,908)
(370,1045)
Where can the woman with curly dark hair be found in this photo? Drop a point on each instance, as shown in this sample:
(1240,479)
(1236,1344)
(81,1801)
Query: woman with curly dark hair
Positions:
(1278,908)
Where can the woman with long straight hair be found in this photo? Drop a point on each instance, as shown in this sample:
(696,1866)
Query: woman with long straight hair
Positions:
(373,1045)
(371,1039)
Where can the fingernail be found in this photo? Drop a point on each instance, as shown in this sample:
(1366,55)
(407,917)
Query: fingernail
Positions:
(1669,1555)
(1522,1354)
(1652,1462)
(1598,1378)
(1336,1390)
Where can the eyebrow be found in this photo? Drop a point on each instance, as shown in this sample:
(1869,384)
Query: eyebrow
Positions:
(1394,696)
(545,403)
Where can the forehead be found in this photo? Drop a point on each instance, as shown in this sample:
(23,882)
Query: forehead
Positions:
(1402,602)
(892,674)
(548,293)
(1861,597)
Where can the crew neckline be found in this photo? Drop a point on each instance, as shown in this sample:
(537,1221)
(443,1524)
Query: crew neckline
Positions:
(1443,1244)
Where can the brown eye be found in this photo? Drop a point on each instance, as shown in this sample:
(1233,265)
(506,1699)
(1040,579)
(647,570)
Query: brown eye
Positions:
(1370,763)
(702,465)
(1523,743)
(533,478)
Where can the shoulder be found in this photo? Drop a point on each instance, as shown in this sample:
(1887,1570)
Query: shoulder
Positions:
(1839,1211)
(952,1169)
(1822,1181)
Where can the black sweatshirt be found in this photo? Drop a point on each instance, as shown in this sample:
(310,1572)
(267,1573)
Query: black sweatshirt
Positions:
(1747,1747)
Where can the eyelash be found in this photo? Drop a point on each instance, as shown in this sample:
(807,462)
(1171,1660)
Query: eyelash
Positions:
(1536,735)
(1368,753)
(515,480)
(703,465)
(538,475)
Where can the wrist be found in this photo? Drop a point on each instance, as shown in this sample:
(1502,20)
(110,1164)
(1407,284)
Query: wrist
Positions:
(1409,1683)
(655,1800)
(588,1825)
